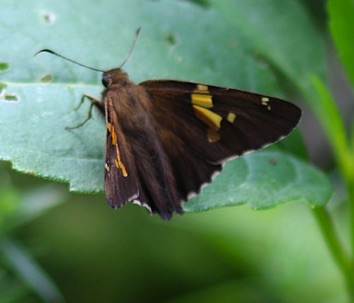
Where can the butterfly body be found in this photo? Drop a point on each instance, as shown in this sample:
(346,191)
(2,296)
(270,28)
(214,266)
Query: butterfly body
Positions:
(167,138)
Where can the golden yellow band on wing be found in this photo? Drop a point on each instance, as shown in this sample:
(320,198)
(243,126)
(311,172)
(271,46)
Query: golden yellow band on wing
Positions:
(110,128)
(203,100)
(208,117)
(119,164)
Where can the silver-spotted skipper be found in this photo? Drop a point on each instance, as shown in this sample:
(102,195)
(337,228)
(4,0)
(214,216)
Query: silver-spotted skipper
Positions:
(167,138)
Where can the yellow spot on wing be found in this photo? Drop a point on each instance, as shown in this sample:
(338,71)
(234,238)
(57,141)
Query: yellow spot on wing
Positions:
(202,97)
(203,100)
(208,117)
(231,117)
(201,88)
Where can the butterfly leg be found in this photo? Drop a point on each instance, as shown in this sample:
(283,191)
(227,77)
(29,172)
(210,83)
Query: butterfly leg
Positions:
(94,102)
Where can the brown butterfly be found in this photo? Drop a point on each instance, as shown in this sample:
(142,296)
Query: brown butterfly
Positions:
(167,138)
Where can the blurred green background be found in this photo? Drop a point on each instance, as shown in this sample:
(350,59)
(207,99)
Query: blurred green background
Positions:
(58,246)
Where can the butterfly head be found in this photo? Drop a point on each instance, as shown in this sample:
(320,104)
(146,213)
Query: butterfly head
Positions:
(113,77)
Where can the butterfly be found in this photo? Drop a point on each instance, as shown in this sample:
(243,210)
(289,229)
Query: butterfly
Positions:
(165,139)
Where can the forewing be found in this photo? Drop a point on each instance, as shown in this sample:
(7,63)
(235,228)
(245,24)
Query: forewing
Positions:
(201,126)
(120,171)
(220,123)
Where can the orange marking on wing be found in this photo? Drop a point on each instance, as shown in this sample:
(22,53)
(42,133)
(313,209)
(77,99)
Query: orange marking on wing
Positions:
(118,161)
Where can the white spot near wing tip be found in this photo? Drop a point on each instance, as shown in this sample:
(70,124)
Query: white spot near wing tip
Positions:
(265,101)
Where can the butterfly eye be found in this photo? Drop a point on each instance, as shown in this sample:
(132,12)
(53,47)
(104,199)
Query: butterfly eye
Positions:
(106,81)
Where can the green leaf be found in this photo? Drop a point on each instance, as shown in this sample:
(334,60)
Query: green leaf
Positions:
(35,140)
(46,89)
(264,180)
(341,24)
(104,43)
(283,35)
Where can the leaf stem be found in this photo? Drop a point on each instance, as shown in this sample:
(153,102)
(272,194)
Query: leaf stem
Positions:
(328,114)
(326,226)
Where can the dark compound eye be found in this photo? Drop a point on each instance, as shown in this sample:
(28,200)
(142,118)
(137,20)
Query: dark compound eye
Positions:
(106,80)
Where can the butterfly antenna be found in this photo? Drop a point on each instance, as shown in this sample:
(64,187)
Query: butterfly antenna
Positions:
(131,47)
(92,68)
(68,59)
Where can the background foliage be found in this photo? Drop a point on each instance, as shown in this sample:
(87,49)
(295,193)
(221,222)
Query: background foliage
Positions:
(80,250)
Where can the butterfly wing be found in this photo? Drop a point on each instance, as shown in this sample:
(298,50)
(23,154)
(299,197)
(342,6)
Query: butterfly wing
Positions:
(201,126)
(165,139)
(120,171)
(137,168)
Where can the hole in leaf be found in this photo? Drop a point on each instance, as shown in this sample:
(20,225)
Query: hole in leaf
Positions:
(4,66)
(7,97)
(273,161)
(10,98)
(48,18)
(171,39)
(46,78)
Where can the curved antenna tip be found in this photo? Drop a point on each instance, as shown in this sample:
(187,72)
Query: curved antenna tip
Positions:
(45,50)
